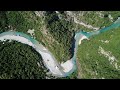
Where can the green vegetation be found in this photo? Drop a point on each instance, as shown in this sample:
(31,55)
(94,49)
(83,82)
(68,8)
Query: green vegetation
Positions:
(21,21)
(59,30)
(96,65)
(62,32)
(56,34)
(20,61)
(96,19)
(3,22)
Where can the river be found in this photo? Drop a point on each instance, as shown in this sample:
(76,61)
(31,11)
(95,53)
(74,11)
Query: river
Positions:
(56,69)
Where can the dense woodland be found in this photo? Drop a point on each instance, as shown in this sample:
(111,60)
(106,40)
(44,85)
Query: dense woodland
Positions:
(62,31)
(20,61)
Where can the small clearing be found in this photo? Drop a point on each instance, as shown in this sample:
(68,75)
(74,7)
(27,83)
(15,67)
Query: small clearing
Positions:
(31,32)
(104,41)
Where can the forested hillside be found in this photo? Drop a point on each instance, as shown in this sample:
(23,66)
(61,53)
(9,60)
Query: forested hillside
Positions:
(20,61)
(56,30)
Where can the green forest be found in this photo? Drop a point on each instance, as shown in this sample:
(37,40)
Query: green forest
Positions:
(62,31)
(56,32)
(20,61)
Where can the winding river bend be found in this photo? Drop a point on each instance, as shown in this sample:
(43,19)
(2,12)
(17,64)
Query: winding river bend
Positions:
(55,68)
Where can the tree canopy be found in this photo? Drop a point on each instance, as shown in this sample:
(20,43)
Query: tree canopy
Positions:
(20,61)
